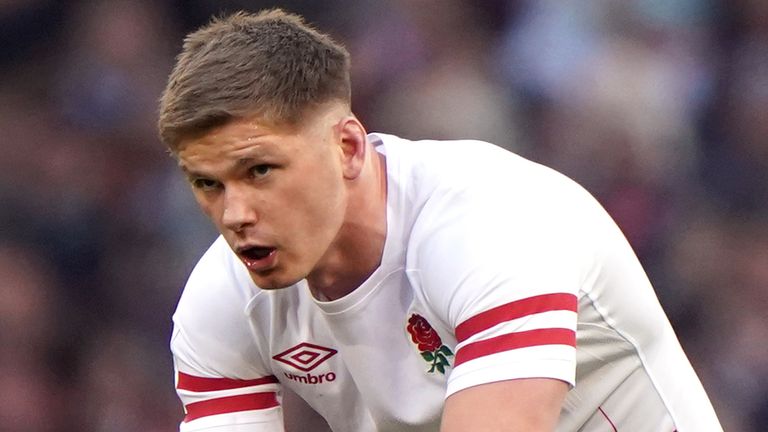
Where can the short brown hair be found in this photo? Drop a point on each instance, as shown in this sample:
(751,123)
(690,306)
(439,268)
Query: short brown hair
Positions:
(271,64)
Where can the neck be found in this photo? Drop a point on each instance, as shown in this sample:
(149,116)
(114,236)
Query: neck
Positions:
(357,251)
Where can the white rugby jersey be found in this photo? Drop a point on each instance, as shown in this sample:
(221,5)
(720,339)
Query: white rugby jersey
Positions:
(493,268)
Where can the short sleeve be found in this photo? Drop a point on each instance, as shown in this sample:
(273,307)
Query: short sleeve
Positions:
(220,376)
(503,268)
(228,400)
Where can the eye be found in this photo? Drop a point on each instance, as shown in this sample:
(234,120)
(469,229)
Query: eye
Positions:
(261,170)
(204,184)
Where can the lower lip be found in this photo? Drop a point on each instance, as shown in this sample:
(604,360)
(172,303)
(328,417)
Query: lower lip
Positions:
(257,265)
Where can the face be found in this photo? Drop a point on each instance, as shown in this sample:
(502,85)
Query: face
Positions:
(277,195)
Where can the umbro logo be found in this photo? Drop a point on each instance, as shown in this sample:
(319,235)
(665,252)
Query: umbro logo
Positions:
(305,357)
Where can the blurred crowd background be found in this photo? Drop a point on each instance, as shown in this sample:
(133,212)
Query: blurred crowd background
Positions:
(658,107)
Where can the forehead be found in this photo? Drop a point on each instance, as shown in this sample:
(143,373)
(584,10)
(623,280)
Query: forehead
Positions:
(251,137)
(237,129)
(237,140)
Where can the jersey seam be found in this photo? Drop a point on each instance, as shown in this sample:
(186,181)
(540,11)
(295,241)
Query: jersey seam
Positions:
(640,354)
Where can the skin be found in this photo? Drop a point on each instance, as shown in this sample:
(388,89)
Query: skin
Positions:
(520,405)
(317,195)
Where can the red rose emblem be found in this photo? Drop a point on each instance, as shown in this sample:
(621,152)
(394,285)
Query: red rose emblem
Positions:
(423,334)
(429,344)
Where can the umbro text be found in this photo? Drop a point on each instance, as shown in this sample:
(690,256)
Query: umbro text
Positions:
(311,379)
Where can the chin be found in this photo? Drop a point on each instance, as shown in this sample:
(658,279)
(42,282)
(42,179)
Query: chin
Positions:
(271,282)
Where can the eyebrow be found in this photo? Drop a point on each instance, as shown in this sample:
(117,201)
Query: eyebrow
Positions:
(239,163)
(189,174)
(245,161)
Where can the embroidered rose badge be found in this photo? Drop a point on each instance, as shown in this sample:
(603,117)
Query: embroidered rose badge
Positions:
(429,343)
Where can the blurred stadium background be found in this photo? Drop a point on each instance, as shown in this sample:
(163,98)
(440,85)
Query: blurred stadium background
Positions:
(659,107)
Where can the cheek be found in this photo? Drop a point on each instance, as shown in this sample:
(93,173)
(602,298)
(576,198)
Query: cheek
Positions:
(323,203)
(212,208)
(317,209)
(203,204)
(208,207)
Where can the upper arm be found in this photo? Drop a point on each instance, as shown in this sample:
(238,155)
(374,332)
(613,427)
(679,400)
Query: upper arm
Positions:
(221,374)
(256,404)
(529,405)
(508,287)
(219,397)
(506,274)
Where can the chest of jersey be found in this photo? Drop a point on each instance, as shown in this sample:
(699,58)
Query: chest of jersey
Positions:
(380,364)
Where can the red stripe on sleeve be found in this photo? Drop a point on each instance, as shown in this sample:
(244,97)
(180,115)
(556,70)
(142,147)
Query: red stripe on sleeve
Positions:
(230,404)
(511,341)
(514,310)
(203,384)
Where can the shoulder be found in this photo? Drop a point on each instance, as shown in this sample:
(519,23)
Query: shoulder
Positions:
(494,228)
(212,334)
(218,283)
(472,175)
(432,156)
(474,191)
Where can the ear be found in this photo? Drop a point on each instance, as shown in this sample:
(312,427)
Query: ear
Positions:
(353,143)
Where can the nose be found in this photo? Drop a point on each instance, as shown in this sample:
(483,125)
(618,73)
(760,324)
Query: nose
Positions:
(238,211)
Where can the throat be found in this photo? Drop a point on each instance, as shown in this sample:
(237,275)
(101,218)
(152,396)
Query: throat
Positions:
(329,285)
(359,246)
(345,270)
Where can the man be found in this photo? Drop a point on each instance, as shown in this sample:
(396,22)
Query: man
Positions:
(390,285)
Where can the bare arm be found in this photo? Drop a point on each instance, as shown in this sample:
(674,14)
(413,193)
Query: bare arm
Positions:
(529,405)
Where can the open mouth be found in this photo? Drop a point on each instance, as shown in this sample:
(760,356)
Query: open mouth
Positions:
(257,258)
(256,252)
